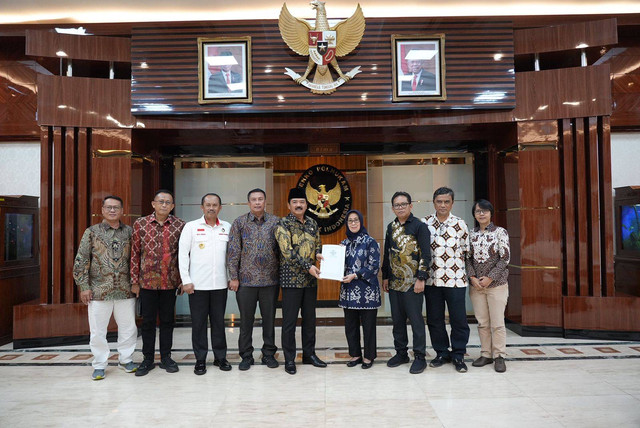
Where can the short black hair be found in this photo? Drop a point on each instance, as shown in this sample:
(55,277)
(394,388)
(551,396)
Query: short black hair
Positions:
(211,194)
(397,194)
(168,192)
(256,190)
(483,204)
(117,198)
(443,191)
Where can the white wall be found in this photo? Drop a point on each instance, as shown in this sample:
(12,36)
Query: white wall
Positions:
(625,159)
(20,168)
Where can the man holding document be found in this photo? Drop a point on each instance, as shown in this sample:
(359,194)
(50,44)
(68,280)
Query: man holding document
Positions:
(298,237)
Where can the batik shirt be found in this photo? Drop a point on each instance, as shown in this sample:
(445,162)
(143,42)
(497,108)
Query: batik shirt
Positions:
(406,253)
(154,252)
(449,248)
(362,257)
(252,256)
(489,254)
(102,262)
(299,243)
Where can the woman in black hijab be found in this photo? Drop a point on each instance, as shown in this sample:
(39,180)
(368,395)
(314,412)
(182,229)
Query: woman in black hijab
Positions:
(360,290)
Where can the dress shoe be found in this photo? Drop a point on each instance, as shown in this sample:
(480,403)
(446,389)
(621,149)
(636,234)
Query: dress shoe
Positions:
(482,361)
(145,367)
(367,365)
(245,364)
(169,365)
(270,361)
(223,364)
(314,360)
(200,368)
(460,366)
(398,359)
(290,367)
(439,361)
(418,365)
(499,365)
(355,362)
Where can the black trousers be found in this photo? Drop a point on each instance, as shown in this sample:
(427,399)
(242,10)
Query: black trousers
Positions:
(248,298)
(295,300)
(154,304)
(209,306)
(455,300)
(353,318)
(408,305)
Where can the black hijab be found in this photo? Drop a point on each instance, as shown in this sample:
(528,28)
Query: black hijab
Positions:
(362,231)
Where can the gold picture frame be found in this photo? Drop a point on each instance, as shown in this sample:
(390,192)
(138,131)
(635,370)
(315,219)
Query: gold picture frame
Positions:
(418,67)
(224,70)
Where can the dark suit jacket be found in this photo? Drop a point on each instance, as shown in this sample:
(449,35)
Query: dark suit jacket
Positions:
(218,85)
(427,82)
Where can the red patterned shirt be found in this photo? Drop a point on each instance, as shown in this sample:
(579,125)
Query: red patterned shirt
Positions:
(154,252)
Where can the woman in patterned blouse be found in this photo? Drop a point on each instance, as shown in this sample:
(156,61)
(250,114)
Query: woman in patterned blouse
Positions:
(360,291)
(487,264)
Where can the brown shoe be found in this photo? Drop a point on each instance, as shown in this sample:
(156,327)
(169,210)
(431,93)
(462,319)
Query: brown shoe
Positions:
(499,365)
(482,361)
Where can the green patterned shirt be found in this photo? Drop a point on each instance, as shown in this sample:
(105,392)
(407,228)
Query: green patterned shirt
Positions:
(102,262)
(299,243)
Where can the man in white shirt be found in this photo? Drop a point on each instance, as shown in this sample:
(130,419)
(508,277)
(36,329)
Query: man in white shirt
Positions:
(447,282)
(202,261)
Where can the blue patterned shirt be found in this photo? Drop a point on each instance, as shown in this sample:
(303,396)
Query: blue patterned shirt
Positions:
(362,256)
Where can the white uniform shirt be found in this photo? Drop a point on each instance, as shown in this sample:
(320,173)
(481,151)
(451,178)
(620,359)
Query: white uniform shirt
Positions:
(202,254)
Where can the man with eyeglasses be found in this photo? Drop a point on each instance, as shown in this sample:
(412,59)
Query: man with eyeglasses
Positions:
(404,272)
(101,271)
(447,282)
(155,278)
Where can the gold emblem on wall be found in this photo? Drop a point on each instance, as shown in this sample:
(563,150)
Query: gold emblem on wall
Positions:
(320,200)
(323,45)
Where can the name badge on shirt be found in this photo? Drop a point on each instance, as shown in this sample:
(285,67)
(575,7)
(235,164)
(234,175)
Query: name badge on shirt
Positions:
(201,245)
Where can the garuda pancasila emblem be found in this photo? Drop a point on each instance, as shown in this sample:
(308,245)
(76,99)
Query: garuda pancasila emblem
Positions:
(322,44)
(322,199)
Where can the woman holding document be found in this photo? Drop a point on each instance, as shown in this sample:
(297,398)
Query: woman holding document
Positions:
(360,291)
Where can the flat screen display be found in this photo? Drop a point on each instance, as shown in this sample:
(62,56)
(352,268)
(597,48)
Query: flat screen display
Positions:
(630,227)
(18,240)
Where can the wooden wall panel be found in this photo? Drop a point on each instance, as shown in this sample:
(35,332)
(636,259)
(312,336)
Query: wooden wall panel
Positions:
(597,313)
(58,188)
(168,83)
(14,291)
(566,37)
(581,208)
(606,206)
(110,170)
(18,101)
(68,237)
(96,48)
(542,297)
(84,102)
(286,172)
(594,224)
(568,206)
(46,206)
(563,93)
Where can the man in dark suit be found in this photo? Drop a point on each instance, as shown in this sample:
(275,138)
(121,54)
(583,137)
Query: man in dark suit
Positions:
(219,81)
(421,79)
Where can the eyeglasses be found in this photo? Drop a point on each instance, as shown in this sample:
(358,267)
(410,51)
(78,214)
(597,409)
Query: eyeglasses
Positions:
(356,221)
(400,205)
(165,203)
(112,207)
(481,212)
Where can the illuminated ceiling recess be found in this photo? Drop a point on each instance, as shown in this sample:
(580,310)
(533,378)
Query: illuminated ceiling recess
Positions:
(92,11)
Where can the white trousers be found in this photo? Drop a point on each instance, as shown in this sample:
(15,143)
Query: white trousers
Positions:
(124,312)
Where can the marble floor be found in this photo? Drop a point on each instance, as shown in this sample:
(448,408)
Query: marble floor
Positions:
(550,382)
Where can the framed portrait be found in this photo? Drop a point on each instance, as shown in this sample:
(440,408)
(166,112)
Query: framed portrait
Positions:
(418,70)
(224,70)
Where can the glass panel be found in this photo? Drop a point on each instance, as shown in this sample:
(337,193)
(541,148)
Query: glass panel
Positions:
(18,241)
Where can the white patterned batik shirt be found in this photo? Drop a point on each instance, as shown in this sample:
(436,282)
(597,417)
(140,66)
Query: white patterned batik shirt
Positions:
(449,248)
